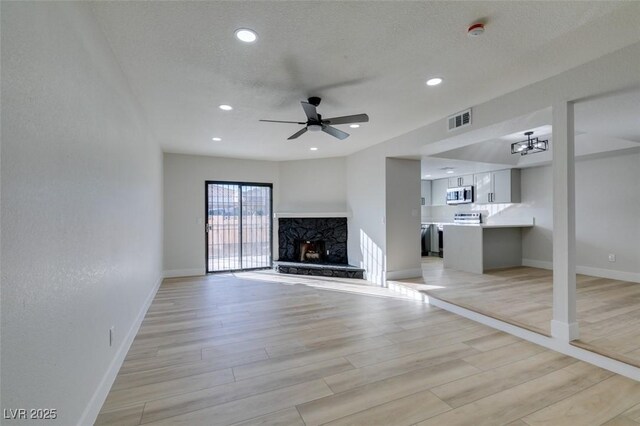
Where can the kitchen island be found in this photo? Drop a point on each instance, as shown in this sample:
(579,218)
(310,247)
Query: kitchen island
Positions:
(480,247)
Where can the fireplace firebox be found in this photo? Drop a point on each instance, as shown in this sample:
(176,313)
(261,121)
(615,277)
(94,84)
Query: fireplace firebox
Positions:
(311,251)
(314,246)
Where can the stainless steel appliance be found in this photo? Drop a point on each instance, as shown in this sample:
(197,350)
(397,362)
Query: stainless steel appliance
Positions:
(460,195)
(425,239)
(467,218)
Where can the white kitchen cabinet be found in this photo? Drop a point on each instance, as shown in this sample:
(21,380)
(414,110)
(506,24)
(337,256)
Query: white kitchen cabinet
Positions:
(425,192)
(483,187)
(501,186)
(455,182)
(439,192)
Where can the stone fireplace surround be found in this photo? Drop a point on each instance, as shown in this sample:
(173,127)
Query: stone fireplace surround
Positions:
(331,231)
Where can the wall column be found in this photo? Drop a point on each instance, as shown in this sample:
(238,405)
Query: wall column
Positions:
(564,325)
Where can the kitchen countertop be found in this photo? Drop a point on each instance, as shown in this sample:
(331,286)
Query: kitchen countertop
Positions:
(483,225)
(493,225)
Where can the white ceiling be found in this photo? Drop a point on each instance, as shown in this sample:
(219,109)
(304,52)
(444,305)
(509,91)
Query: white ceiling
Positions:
(361,57)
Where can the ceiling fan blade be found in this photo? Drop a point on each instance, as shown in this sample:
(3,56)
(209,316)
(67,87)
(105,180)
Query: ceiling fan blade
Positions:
(335,132)
(358,118)
(278,121)
(310,111)
(298,133)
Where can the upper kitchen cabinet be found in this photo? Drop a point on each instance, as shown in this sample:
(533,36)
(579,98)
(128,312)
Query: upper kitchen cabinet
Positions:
(439,192)
(425,192)
(501,186)
(455,182)
(506,186)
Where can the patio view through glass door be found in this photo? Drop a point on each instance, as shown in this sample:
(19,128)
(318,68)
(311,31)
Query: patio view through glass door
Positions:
(239,226)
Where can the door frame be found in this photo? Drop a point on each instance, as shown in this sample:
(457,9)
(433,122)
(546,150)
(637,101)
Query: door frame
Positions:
(206,221)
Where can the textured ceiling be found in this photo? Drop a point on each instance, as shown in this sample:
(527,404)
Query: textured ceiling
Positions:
(360,57)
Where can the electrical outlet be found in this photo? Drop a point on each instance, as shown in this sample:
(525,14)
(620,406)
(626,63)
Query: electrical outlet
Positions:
(612,257)
(111,335)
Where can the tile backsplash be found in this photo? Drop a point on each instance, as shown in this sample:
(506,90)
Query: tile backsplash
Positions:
(491,213)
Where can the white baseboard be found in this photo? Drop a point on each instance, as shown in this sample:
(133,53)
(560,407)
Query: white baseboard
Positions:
(608,273)
(588,270)
(97,400)
(533,263)
(172,273)
(404,273)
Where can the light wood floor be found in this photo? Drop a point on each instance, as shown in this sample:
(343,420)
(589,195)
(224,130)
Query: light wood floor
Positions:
(608,310)
(249,350)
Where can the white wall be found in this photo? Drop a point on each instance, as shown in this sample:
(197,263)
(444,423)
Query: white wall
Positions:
(403,218)
(366,203)
(310,186)
(184,183)
(313,185)
(607,215)
(81,211)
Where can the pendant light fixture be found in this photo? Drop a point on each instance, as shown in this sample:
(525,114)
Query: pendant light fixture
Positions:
(529,146)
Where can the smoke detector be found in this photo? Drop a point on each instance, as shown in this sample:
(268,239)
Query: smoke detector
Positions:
(475,30)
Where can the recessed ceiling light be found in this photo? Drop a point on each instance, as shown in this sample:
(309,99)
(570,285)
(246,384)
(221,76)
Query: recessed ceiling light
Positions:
(427,175)
(216,139)
(354,126)
(246,35)
(449,172)
(313,148)
(225,107)
(434,81)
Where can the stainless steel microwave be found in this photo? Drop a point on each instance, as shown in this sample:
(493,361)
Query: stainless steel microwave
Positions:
(460,195)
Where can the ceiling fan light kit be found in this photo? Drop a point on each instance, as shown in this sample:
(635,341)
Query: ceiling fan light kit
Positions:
(315,122)
(529,146)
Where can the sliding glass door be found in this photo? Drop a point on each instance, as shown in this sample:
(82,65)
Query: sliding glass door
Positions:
(239,226)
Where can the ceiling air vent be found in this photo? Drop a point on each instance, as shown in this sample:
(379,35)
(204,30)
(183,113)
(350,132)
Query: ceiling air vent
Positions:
(460,119)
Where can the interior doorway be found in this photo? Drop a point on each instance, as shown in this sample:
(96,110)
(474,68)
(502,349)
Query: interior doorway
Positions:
(239,226)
